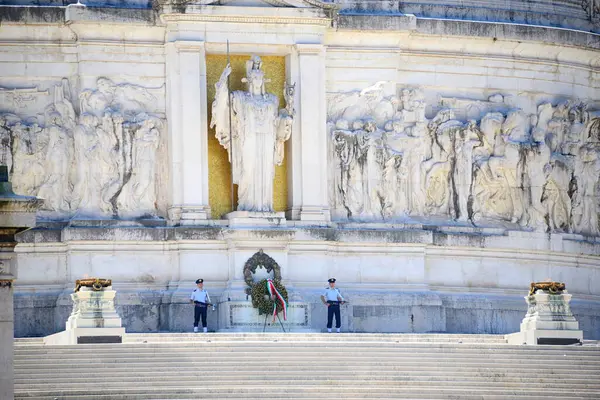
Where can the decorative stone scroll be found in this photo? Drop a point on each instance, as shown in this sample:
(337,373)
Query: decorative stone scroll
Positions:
(98,161)
(537,172)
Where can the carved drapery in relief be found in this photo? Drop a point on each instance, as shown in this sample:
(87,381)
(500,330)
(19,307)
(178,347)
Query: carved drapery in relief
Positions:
(98,161)
(389,162)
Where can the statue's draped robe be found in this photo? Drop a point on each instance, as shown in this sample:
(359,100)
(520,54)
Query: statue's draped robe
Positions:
(254,124)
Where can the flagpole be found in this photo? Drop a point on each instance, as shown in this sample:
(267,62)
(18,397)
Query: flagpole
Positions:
(230,134)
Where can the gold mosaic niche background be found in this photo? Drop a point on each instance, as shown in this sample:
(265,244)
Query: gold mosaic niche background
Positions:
(219,168)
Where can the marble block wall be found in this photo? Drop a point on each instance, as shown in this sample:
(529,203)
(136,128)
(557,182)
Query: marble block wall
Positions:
(396,280)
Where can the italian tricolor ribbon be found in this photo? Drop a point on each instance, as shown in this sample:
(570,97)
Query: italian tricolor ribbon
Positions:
(278,299)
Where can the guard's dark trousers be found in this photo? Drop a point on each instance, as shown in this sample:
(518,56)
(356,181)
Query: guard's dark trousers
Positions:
(334,308)
(200,310)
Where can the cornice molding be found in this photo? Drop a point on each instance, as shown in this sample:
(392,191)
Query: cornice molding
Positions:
(244,14)
(245,19)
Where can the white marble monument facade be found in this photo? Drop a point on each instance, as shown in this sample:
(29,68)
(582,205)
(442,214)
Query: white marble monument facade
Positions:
(434,169)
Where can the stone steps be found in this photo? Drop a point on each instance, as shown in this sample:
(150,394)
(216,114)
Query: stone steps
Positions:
(303,392)
(385,359)
(331,379)
(333,337)
(319,373)
(234,366)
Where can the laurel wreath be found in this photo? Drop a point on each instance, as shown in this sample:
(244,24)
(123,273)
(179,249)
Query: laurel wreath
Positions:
(261,299)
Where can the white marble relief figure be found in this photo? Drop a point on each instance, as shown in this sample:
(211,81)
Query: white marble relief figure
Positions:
(63,105)
(556,200)
(138,195)
(355,192)
(508,169)
(438,165)
(394,180)
(537,171)
(559,126)
(29,151)
(578,118)
(86,149)
(109,177)
(97,160)
(258,128)
(78,163)
(497,189)
(540,171)
(585,200)
(60,122)
(466,140)
(517,130)
(55,189)
(124,98)
(485,188)
(370,102)
(5,143)
(372,165)
(343,153)
(96,102)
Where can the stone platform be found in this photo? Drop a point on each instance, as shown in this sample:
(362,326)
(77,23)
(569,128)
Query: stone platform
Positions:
(294,366)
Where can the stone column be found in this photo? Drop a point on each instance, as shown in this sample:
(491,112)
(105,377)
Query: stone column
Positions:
(188,132)
(6,322)
(17,213)
(293,145)
(311,157)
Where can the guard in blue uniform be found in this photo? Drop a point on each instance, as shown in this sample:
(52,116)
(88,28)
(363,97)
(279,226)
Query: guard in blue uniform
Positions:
(332,298)
(201,302)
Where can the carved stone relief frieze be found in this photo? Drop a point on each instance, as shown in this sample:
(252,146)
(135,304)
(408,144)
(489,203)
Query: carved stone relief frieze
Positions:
(98,160)
(473,161)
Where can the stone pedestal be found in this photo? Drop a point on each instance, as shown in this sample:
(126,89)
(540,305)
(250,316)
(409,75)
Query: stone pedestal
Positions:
(549,320)
(256,219)
(93,320)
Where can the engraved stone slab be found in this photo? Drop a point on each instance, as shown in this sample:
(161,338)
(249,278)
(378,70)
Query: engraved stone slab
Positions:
(240,315)
(99,339)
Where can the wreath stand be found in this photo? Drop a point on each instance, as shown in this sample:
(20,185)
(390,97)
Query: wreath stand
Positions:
(260,258)
(265,325)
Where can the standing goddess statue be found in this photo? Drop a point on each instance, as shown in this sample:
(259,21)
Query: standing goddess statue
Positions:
(256,135)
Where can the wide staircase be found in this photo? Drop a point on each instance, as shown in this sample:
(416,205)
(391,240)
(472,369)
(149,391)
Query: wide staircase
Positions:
(306,366)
